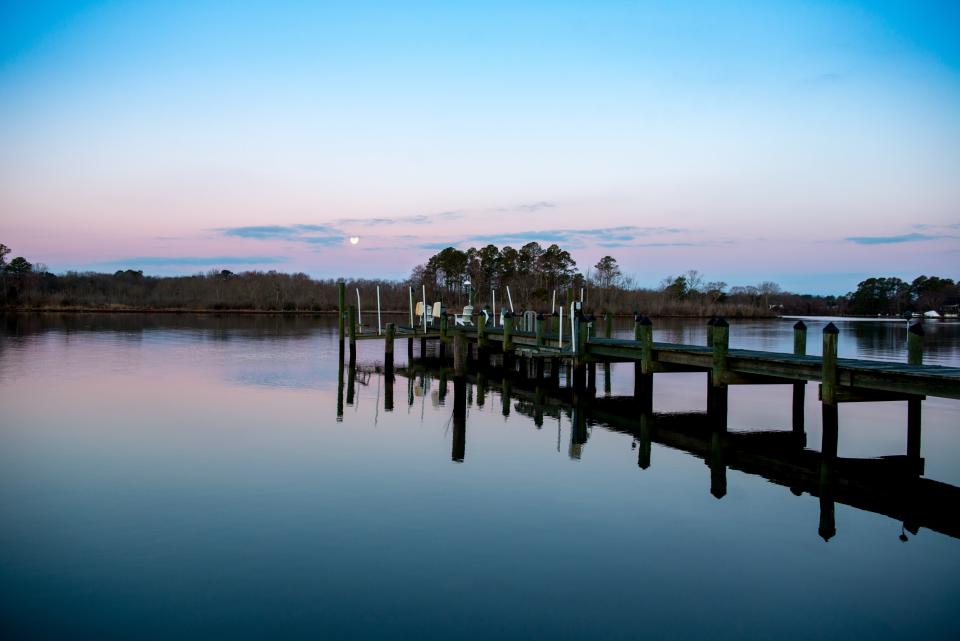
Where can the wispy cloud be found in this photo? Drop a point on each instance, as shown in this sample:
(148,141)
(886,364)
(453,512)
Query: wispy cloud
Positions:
(187,261)
(576,237)
(325,235)
(892,240)
(529,208)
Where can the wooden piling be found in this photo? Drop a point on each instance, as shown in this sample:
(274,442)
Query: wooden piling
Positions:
(828,376)
(800,338)
(388,346)
(644,333)
(710,325)
(352,322)
(607,325)
(915,336)
(443,324)
(482,330)
(721,344)
(799,389)
(507,332)
(341,302)
(460,353)
(539,330)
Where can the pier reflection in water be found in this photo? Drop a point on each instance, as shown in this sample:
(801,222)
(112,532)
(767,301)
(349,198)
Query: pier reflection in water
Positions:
(890,485)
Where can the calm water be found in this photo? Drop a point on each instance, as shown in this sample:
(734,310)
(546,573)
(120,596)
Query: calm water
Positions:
(177,477)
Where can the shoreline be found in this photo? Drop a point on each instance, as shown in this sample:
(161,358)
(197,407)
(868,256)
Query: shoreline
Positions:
(265,312)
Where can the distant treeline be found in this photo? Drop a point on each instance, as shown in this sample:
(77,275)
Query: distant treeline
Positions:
(532,274)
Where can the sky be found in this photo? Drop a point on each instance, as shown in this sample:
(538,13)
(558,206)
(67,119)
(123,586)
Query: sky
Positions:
(809,143)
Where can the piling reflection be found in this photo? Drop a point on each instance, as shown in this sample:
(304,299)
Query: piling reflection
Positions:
(891,485)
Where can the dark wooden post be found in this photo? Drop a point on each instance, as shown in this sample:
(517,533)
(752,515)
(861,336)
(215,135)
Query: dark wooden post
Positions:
(799,389)
(443,325)
(914,405)
(341,301)
(643,369)
(352,321)
(539,330)
(460,353)
(828,377)
(388,346)
(508,340)
(607,325)
(482,330)
(710,325)
(552,329)
(721,344)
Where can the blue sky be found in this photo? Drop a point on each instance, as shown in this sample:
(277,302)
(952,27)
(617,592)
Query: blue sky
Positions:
(815,142)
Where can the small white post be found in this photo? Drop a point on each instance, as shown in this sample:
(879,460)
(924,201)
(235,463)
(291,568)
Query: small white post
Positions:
(379,329)
(413,327)
(494,292)
(510,299)
(359,317)
(553,306)
(560,342)
(424,308)
(581,294)
(573,330)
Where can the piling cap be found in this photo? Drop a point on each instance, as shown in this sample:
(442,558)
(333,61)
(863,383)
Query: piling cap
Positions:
(712,321)
(831,329)
(799,325)
(917,329)
(508,314)
(645,320)
(555,314)
(539,316)
(721,322)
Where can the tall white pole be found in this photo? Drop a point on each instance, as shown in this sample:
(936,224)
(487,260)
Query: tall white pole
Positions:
(510,299)
(379,330)
(413,327)
(494,292)
(359,317)
(581,294)
(553,306)
(424,308)
(560,342)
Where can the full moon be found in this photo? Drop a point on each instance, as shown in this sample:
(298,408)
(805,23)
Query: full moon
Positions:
(354,240)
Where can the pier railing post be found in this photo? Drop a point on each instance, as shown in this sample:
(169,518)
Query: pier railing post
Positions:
(800,338)
(388,346)
(507,332)
(341,303)
(482,330)
(721,344)
(915,344)
(828,376)
(799,389)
